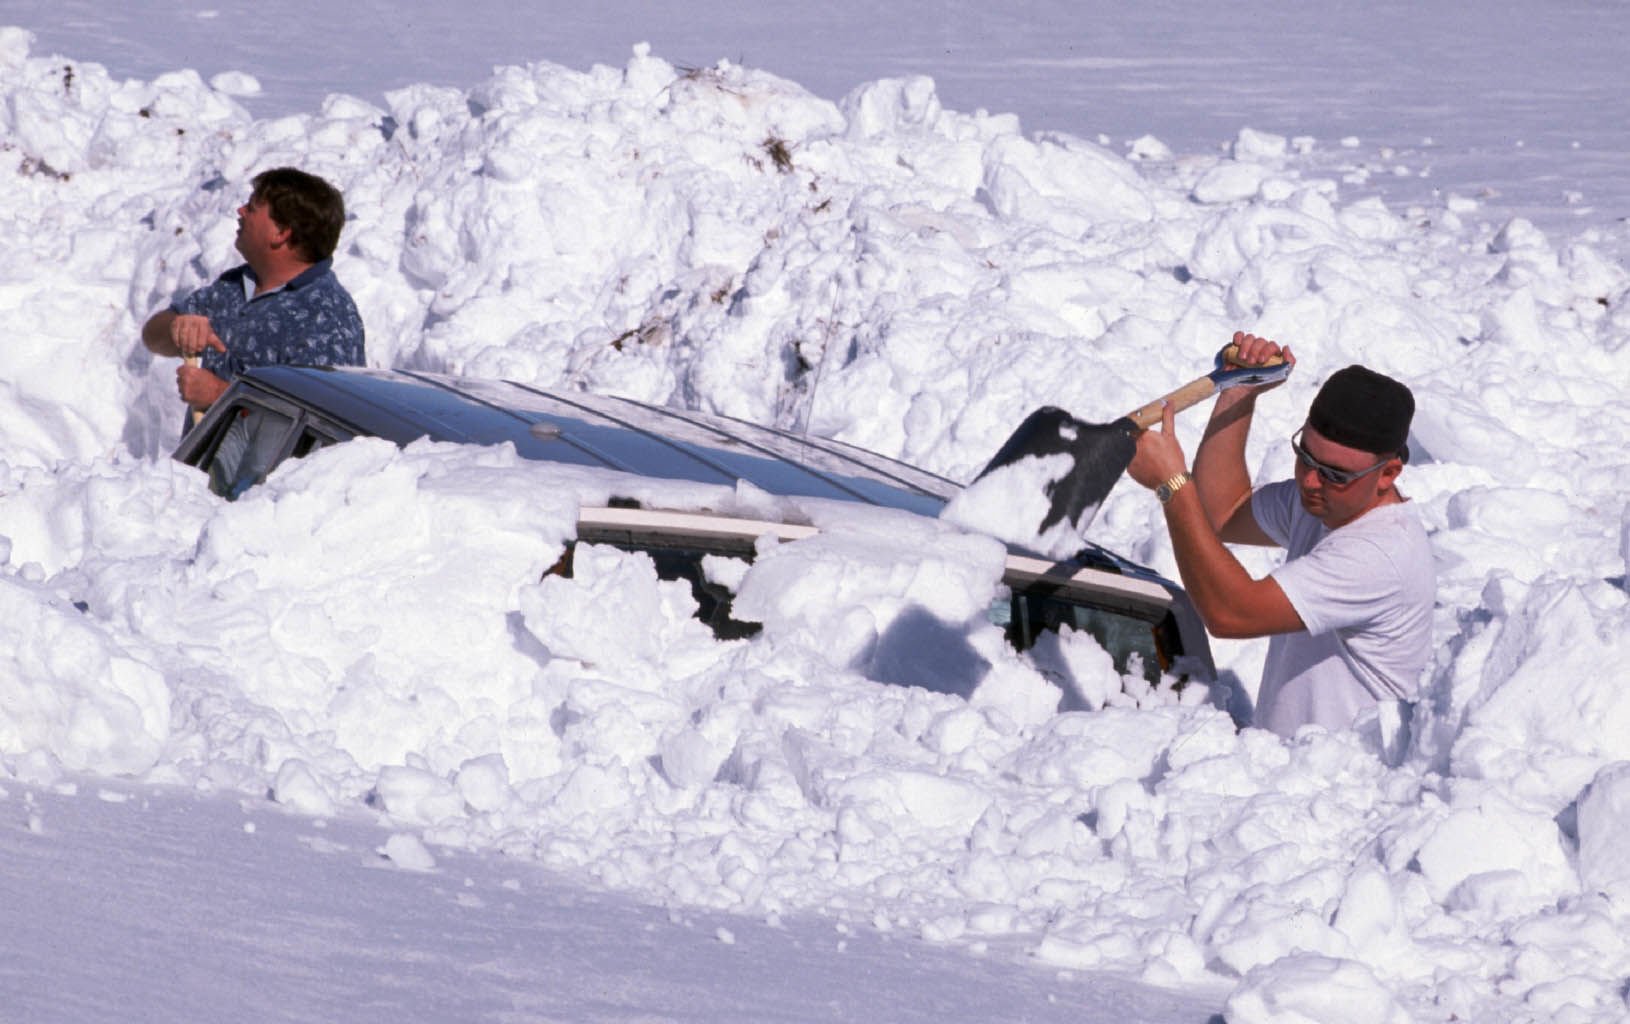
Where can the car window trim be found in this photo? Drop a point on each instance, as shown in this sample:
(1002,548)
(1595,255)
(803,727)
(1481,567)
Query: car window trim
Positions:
(201,441)
(1061,580)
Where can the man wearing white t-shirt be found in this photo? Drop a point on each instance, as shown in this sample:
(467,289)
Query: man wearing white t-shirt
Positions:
(1350,611)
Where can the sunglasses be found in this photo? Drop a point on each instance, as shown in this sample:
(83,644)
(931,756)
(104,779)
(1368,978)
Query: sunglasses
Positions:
(1333,475)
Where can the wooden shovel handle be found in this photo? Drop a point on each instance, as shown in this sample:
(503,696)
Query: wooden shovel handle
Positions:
(1192,393)
(194,415)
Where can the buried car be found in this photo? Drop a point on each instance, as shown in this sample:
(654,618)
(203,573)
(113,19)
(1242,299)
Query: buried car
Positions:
(271,414)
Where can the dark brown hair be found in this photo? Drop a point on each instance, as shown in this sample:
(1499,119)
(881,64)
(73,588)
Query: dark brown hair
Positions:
(309,208)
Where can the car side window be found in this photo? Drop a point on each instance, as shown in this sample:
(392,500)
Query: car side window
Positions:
(247,446)
(248,434)
(310,440)
(1144,644)
(678,562)
(1025,616)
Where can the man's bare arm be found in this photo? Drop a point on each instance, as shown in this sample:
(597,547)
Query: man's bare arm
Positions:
(1220,476)
(155,333)
(1222,480)
(1230,602)
(168,333)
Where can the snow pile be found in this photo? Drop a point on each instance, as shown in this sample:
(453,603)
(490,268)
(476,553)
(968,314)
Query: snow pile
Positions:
(373,627)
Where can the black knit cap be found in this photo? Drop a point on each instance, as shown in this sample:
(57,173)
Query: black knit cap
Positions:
(1363,409)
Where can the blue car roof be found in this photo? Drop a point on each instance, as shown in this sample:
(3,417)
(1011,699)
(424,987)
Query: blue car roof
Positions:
(604,431)
(617,433)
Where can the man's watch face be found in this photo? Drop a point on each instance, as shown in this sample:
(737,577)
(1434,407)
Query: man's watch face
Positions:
(1170,487)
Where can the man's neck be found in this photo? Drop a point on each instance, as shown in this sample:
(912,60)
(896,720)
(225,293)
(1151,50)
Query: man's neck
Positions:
(275,273)
(1392,497)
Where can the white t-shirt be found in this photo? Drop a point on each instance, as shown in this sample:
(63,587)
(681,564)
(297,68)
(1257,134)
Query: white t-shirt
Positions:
(1365,593)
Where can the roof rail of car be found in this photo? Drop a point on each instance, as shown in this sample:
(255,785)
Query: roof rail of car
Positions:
(1062,579)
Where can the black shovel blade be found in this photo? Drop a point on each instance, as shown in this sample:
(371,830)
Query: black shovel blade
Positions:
(1100,453)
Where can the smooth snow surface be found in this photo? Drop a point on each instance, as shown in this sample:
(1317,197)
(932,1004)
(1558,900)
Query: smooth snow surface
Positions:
(366,647)
(229,908)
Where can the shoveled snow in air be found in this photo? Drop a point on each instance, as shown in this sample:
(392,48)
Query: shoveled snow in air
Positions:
(372,630)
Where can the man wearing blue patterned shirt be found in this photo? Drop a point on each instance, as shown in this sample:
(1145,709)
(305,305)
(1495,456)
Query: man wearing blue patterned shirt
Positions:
(282,305)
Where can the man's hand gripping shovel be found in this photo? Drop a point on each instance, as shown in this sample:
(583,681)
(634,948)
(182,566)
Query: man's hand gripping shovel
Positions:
(1086,460)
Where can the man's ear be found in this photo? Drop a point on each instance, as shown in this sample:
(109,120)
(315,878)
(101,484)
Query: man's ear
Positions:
(1389,473)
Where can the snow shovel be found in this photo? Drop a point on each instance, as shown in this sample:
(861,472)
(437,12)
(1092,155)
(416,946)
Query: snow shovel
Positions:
(1098,454)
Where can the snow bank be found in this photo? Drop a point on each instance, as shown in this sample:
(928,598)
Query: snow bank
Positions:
(373,627)
(69,695)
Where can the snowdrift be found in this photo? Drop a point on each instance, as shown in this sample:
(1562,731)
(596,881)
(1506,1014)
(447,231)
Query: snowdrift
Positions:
(369,629)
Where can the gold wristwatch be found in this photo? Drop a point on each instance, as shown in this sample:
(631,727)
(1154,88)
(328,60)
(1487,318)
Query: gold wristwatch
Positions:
(1165,491)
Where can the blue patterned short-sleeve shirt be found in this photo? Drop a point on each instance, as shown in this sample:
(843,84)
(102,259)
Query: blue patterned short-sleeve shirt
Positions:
(311,320)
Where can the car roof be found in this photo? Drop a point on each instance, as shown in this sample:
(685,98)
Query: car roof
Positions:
(617,433)
(607,432)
